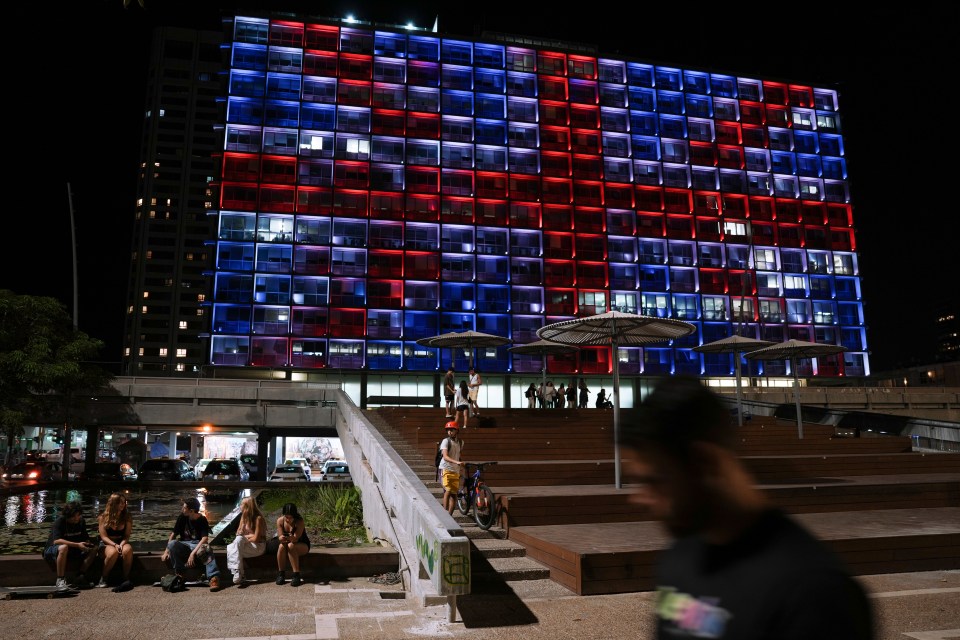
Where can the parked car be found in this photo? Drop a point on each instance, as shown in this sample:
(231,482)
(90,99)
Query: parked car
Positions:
(166,469)
(251,463)
(289,473)
(110,471)
(303,462)
(225,469)
(32,472)
(200,466)
(336,472)
(75,452)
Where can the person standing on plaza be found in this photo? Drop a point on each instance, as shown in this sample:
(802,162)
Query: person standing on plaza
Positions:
(70,540)
(561,398)
(584,394)
(294,543)
(549,395)
(115,527)
(572,396)
(474,388)
(251,540)
(737,567)
(531,395)
(461,400)
(451,466)
(189,543)
(449,390)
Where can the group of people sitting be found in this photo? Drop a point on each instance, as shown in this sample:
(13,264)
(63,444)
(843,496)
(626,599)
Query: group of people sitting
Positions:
(188,545)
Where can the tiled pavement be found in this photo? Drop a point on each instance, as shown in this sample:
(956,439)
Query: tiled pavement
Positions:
(921,606)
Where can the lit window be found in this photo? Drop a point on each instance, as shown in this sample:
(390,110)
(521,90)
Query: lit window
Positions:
(201,297)
(126,352)
(183,324)
(141,352)
(199,313)
(143,309)
(179,366)
(146,294)
(181,353)
(163,352)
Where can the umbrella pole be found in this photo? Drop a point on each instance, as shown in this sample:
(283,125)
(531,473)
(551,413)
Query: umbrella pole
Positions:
(616,409)
(796,396)
(736,354)
(543,383)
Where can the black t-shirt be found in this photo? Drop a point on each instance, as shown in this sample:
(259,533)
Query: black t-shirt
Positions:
(63,530)
(775,581)
(186,529)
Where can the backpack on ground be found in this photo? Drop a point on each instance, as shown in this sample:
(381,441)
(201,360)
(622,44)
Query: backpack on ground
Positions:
(172,583)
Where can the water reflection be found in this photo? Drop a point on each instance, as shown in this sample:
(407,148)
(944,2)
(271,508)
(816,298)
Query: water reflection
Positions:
(29,516)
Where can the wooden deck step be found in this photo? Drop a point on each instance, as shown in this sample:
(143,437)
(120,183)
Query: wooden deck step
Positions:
(619,557)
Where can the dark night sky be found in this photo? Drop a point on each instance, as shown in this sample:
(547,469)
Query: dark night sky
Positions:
(77,120)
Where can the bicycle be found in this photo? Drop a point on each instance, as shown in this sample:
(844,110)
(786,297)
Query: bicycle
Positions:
(476,496)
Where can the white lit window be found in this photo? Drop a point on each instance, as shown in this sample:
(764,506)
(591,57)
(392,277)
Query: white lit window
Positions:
(179,366)
(141,352)
(143,309)
(183,324)
(181,353)
(201,297)
(163,352)
(735,228)
(199,313)
(146,294)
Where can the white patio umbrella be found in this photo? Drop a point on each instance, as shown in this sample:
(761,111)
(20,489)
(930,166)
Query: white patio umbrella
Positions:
(794,350)
(616,328)
(735,345)
(543,348)
(469,340)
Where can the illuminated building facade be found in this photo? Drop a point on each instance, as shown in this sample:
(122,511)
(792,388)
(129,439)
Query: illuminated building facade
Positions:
(379,186)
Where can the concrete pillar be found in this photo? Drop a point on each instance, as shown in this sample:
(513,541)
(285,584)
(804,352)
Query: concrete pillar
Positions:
(172,445)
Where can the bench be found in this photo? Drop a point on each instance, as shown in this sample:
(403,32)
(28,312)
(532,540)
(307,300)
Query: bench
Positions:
(321,564)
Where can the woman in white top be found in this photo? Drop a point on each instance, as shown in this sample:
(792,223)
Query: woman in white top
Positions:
(251,540)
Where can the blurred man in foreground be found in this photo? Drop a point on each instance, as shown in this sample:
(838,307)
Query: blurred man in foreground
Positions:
(738,567)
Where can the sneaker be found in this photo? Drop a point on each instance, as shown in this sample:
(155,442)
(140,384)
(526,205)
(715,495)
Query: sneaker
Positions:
(102,584)
(281,578)
(61,583)
(215,583)
(81,582)
(296,582)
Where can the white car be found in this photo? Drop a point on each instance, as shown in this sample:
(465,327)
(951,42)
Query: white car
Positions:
(303,462)
(289,473)
(336,472)
(200,466)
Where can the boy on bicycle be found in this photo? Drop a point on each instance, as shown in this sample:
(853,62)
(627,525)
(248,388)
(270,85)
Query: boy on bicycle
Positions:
(450,465)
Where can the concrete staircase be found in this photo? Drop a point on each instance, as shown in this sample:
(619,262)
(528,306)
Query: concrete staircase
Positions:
(494,559)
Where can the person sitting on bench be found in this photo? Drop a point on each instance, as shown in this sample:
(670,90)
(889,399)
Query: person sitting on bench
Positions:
(68,540)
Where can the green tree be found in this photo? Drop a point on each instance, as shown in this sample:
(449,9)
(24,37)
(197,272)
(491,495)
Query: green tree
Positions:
(45,365)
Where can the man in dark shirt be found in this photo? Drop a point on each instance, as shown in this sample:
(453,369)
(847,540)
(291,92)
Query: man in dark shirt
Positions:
(189,543)
(449,388)
(68,540)
(739,568)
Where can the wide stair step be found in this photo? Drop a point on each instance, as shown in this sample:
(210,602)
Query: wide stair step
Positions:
(509,569)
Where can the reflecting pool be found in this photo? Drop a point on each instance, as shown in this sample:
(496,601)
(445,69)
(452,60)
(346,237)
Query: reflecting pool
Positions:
(27,517)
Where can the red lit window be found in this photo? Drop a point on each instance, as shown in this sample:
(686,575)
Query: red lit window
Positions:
(761,208)
(751,112)
(557,190)
(585,141)
(775,93)
(314,200)
(557,218)
(552,88)
(353,93)
(729,157)
(618,196)
(356,67)
(800,96)
(550,63)
(388,123)
(558,273)
(555,164)
(491,185)
(321,37)
(385,264)
(555,138)
(788,211)
(734,205)
(423,125)
(585,117)
(728,133)
(286,34)
(582,67)
(703,153)
(317,63)
(677,201)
